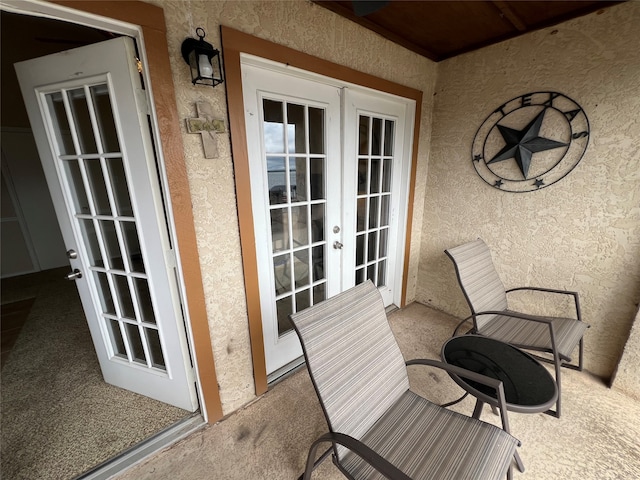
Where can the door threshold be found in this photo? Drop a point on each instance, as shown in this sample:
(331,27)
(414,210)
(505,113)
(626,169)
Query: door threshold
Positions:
(136,454)
(285,371)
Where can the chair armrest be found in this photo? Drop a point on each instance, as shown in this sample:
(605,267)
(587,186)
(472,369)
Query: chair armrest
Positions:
(476,377)
(524,316)
(576,298)
(378,462)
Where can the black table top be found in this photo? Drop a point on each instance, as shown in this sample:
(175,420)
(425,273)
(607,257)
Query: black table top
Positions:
(528,386)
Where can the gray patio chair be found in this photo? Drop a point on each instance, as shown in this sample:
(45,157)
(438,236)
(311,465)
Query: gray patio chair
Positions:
(487,299)
(378,427)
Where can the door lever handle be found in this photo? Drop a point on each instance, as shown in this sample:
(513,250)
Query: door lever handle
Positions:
(73,275)
(337,245)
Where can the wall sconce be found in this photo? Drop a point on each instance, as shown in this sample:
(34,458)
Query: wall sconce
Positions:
(203,59)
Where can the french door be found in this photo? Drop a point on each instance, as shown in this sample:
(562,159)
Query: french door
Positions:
(89,117)
(329,176)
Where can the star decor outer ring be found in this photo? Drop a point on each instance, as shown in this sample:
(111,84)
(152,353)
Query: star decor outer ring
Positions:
(565,122)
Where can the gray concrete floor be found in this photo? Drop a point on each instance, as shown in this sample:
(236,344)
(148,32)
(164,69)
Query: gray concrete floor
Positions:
(598,436)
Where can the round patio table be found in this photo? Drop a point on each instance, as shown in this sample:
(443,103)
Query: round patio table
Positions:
(528,386)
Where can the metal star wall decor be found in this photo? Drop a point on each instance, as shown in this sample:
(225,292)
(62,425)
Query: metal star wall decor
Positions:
(530,142)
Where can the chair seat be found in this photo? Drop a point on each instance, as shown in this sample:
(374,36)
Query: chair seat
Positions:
(535,335)
(426,441)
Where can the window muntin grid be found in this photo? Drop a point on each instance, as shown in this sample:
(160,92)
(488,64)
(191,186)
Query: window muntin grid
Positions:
(295,158)
(373,199)
(97,192)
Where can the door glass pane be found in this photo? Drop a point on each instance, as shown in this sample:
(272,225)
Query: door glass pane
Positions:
(284,308)
(118,180)
(316,131)
(363,136)
(300,226)
(303,300)
(110,239)
(361,214)
(376,165)
(280,229)
(382,246)
(318,263)
(144,300)
(363,176)
(117,342)
(301,267)
(384,210)
(382,273)
(135,343)
(104,118)
(130,234)
(317,222)
(98,187)
(319,293)
(155,348)
(124,296)
(282,273)
(359,250)
(389,128)
(316,178)
(373,212)
(359,276)
(104,292)
(371,246)
(376,136)
(273,126)
(91,244)
(386,175)
(61,127)
(78,193)
(82,120)
(277,178)
(299,180)
(296,129)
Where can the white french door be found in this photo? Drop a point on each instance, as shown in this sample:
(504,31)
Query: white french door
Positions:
(329,169)
(88,113)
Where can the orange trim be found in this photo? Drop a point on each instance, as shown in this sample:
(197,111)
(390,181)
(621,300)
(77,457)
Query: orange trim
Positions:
(151,19)
(234,43)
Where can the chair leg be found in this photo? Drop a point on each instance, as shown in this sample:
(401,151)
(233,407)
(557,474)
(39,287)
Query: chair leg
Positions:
(311,465)
(558,366)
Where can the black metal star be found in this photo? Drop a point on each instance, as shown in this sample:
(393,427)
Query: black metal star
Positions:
(522,144)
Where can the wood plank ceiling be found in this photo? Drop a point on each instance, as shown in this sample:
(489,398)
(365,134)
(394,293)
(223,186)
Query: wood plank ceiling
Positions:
(443,29)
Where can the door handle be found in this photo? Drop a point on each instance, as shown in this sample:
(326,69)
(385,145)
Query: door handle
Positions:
(73,275)
(72,254)
(337,245)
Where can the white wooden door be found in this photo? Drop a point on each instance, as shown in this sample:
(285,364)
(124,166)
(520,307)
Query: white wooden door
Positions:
(88,113)
(294,160)
(329,180)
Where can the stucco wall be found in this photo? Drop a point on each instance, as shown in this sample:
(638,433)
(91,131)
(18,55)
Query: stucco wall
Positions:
(582,233)
(308,28)
(627,377)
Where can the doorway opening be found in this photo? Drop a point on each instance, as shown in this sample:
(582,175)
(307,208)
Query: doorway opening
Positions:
(55,402)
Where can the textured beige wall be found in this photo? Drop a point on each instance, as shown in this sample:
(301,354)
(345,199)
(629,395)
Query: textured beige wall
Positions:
(582,233)
(627,377)
(306,27)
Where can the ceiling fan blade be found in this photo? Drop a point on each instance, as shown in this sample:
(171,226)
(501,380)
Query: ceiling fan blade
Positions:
(365,7)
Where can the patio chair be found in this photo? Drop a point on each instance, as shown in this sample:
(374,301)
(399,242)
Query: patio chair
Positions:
(487,299)
(378,427)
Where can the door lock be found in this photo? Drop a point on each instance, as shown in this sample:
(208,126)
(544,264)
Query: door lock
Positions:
(72,254)
(337,245)
(73,275)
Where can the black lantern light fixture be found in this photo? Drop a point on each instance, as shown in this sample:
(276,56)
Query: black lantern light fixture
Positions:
(203,59)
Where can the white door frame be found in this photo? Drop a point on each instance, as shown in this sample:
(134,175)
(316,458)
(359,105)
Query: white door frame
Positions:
(57,12)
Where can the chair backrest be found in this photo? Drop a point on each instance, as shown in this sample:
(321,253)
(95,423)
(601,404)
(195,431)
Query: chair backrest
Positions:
(478,279)
(354,360)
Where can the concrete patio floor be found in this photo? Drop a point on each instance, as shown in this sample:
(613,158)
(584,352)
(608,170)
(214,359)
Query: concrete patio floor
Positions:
(598,436)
